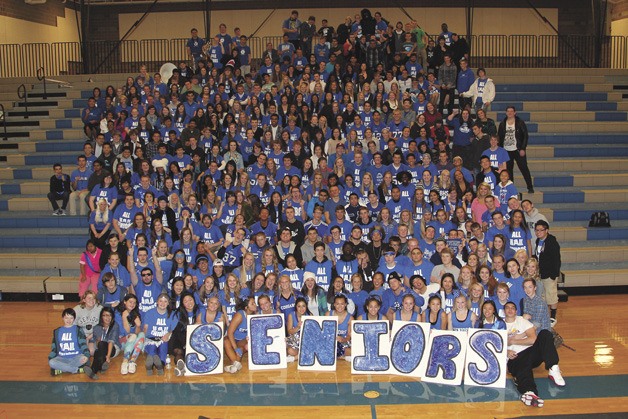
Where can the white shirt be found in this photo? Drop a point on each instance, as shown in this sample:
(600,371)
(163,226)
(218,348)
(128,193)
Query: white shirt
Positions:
(518,327)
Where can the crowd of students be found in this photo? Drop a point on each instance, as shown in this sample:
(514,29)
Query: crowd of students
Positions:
(325,185)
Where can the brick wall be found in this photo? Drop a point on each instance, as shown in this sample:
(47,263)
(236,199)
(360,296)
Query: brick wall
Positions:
(40,13)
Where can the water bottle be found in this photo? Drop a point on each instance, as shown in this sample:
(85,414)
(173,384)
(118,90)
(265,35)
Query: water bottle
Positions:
(168,364)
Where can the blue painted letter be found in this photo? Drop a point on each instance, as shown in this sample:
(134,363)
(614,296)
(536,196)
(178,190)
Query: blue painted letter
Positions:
(407,348)
(371,360)
(201,341)
(318,343)
(444,350)
(260,339)
(480,342)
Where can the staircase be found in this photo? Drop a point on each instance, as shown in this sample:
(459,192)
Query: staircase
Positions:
(578,156)
(39,253)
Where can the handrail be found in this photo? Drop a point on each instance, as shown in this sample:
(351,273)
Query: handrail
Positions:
(23,94)
(491,51)
(3,118)
(41,75)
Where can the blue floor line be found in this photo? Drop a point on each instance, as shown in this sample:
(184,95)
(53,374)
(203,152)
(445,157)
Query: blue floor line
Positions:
(296,394)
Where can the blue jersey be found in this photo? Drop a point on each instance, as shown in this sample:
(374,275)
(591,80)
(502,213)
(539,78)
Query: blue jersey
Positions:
(287,305)
(245,54)
(81,178)
(242,331)
(345,228)
(215,55)
(296,277)
(396,129)
(228,214)
(518,237)
(345,270)
(396,208)
(322,229)
(505,192)
(438,324)
(123,278)
(413,317)
(497,156)
(424,269)
(322,270)
(359,299)
(233,256)
(229,300)
(462,132)
(189,250)
(211,234)
(263,196)
(393,301)
(196,46)
(141,192)
(448,300)
(109,194)
(461,325)
(516,291)
(147,295)
(67,341)
(377,173)
(269,230)
(159,324)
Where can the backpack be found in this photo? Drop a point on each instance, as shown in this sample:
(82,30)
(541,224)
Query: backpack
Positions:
(600,219)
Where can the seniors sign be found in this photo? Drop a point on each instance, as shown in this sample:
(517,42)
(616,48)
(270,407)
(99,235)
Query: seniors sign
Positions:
(411,349)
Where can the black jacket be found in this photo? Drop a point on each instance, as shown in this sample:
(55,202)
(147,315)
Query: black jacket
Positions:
(60,186)
(549,257)
(521,133)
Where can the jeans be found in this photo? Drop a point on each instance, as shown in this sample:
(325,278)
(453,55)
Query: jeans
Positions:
(68,364)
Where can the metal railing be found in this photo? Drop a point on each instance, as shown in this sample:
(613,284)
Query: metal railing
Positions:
(41,76)
(23,94)
(3,119)
(63,58)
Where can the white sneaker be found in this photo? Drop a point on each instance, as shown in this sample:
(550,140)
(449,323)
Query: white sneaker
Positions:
(553,322)
(530,399)
(556,376)
(231,369)
(290,358)
(348,358)
(179,369)
(56,212)
(237,365)
(132,367)
(62,212)
(124,369)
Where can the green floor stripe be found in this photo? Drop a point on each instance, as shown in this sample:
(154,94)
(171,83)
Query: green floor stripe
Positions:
(313,394)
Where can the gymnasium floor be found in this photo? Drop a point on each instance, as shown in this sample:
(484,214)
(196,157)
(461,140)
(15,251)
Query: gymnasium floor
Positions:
(596,375)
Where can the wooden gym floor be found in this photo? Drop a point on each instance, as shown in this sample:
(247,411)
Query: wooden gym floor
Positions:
(596,375)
